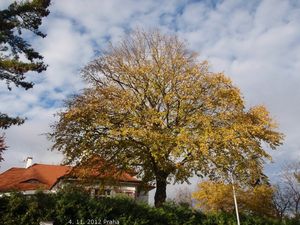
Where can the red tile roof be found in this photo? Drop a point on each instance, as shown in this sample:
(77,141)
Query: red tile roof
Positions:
(94,173)
(37,176)
(97,168)
(42,176)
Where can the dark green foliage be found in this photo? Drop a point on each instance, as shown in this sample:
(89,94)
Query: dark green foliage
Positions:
(13,21)
(23,210)
(17,18)
(6,121)
(73,205)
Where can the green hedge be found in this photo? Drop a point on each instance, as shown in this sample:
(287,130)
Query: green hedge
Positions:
(76,207)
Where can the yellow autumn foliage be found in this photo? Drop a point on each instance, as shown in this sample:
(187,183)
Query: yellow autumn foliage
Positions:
(218,197)
(152,106)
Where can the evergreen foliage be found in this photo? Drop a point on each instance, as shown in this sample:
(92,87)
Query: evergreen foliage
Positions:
(17,57)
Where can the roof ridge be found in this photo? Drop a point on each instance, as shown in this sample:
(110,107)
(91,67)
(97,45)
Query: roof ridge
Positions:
(49,164)
(12,168)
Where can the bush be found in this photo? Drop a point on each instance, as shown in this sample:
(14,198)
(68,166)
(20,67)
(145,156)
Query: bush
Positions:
(73,206)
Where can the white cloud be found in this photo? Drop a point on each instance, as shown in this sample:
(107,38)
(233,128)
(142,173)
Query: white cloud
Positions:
(29,140)
(5,3)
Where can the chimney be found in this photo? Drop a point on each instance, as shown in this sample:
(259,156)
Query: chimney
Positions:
(28,162)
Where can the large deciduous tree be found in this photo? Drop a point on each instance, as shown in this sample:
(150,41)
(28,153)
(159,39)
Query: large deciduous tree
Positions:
(152,106)
(17,57)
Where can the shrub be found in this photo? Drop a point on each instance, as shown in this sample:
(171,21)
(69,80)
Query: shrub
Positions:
(76,206)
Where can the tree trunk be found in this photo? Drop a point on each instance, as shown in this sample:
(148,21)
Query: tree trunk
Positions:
(161,192)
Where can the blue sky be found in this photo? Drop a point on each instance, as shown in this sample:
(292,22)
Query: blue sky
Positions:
(256,43)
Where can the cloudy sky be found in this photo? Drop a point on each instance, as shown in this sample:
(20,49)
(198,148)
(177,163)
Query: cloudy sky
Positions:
(256,43)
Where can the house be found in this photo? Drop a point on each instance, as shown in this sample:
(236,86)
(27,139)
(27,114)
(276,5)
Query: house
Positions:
(50,178)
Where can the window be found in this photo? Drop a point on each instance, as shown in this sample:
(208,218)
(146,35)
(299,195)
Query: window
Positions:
(31,181)
(102,192)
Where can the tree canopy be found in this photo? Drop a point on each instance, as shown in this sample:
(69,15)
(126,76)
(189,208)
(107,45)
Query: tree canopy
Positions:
(152,106)
(17,57)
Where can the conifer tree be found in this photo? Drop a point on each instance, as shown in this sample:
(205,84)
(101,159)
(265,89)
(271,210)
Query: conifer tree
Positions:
(17,57)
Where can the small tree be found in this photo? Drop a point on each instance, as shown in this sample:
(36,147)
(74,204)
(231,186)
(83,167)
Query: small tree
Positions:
(218,197)
(291,186)
(214,197)
(154,107)
(282,200)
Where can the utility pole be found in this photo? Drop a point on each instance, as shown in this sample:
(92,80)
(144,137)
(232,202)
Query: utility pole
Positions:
(235,201)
